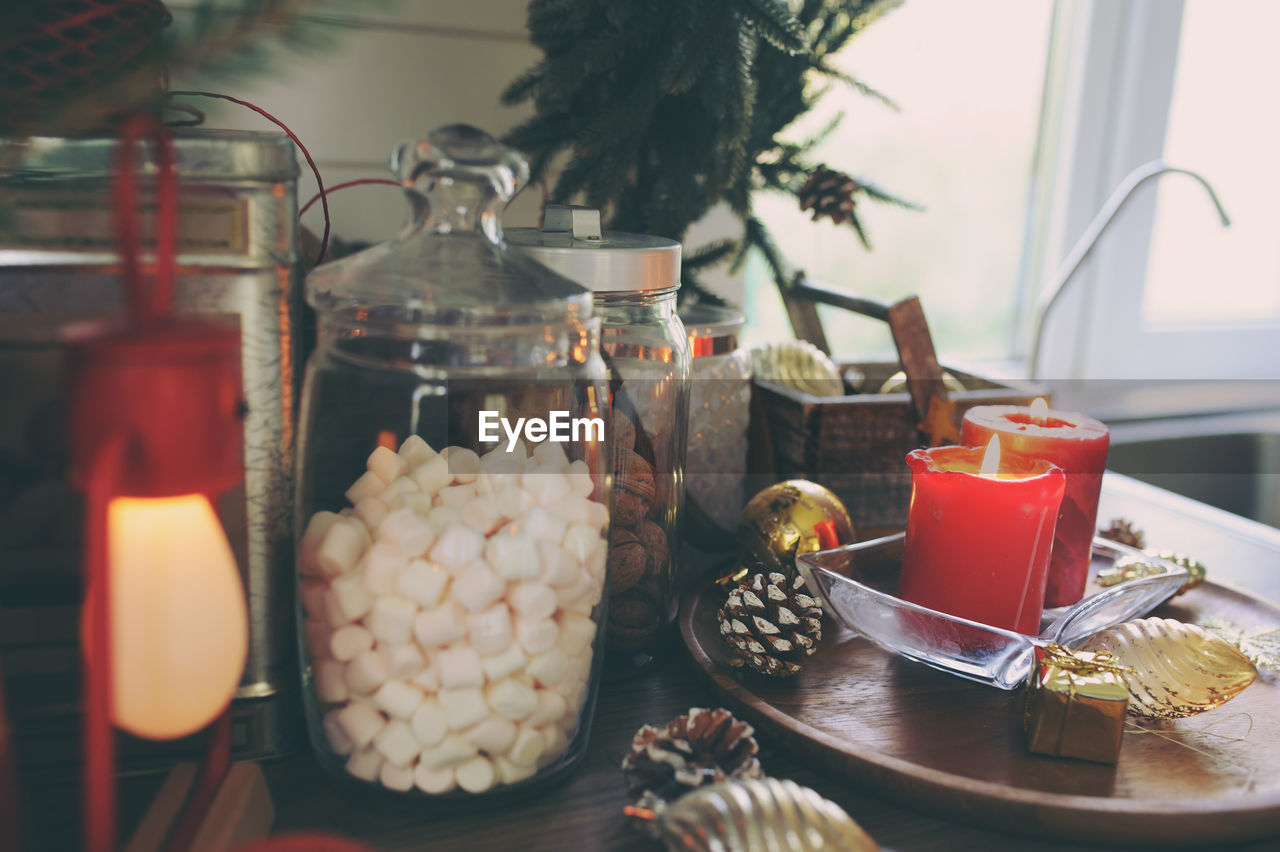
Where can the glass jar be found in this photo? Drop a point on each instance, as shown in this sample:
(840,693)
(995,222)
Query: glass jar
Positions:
(634,279)
(719,418)
(453,555)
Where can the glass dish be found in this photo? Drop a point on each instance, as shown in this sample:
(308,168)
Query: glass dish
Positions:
(858,582)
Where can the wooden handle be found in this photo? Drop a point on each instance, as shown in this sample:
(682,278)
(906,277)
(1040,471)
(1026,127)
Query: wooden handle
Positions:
(911,334)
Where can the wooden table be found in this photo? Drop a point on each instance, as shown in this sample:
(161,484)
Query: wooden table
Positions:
(585,812)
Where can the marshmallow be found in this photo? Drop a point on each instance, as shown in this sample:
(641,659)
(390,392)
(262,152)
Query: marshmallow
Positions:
(542,524)
(579,597)
(366,673)
(385,464)
(477,587)
(429,723)
(498,461)
(401,487)
(339,744)
(347,643)
(311,593)
(536,635)
(528,747)
(443,517)
(429,677)
(580,539)
(414,451)
(456,495)
(476,775)
(457,545)
(403,661)
(595,514)
(596,561)
(460,667)
(490,630)
(576,632)
(463,707)
(507,663)
(558,568)
(417,501)
(398,699)
(408,531)
(513,501)
(550,455)
(349,599)
(368,485)
(551,708)
(512,699)
(451,751)
(438,626)
(361,722)
(365,764)
(380,567)
(397,743)
(512,556)
(464,464)
(422,582)
(481,514)
(580,479)
(545,486)
(316,635)
(549,668)
(371,511)
(532,600)
(398,778)
(330,681)
(567,511)
(494,735)
(555,744)
(344,543)
(308,546)
(434,781)
(432,475)
(391,619)
(510,773)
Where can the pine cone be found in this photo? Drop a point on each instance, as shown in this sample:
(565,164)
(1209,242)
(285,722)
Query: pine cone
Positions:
(771,623)
(1124,532)
(829,193)
(703,747)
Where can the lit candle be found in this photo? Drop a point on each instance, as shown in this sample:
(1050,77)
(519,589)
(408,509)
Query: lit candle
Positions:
(1077,444)
(979,532)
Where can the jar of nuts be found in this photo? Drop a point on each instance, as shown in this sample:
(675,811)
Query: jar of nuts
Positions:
(634,279)
(453,493)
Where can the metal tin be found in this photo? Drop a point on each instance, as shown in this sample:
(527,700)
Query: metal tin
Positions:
(236,258)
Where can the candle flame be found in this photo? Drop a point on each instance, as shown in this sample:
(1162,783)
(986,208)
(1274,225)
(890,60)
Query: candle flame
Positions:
(1039,408)
(991,458)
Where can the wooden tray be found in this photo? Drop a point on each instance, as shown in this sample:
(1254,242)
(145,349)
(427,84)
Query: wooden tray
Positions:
(946,746)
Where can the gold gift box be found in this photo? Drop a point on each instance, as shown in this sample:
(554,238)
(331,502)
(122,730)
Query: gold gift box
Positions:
(1076,704)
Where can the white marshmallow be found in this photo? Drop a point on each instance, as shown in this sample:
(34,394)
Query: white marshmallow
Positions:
(339,744)
(401,487)
(494,735)
(429,723)
(403,661)
(572,509)
(551,708)
(343,545)
(443,517)
(380,567)
(558,568)
(422,582)
(434,781)
(456,495)
(365,764)
(464,464)
(347,643)
(513,501)
(333,613)
(481,514)
(417,501)
(398,698)
(547,487)
(366,673)
(398,778)
(309,545)
(316,635)
(439,626)
(350,598)
(596,561)
(487,484)
(330,681)
(511,773)
(397,743)
(457,545)
(499,462)
(533,600)
(580,597)
(507,663)
(432,475)
(580,479)
(512,699)
(311,593)
(414,451)
(450,751)
(595,514)
(490,630)
(512,556)
(580,539)
(536,636)
(477,587)
(550,455)
(368,485)
(429,677)
(459,667)
(386,464)
(576,632)
(463,707)
(528,747)
(555,744)
(549,668)
(361,722)
(371,511)
(411,533)
(476,775)
(543,524)
(391,619)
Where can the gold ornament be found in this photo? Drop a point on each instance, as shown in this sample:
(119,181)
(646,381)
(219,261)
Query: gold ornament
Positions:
(789,519)
(765,813)
(798,365)
(1194,567)
(1134,567)
(1260,645)
(1177,669)
(897,383)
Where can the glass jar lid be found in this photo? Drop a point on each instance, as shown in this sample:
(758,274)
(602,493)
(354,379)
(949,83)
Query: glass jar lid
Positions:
(450,265)
(571,242)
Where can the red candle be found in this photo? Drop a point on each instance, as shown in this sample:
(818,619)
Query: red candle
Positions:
(979,535)
(1077,444)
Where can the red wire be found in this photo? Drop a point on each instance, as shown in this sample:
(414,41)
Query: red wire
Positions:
(324,240)
(125,196)
(344,185)
(213,770)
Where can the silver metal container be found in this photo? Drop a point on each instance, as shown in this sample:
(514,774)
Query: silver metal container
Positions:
(236,258)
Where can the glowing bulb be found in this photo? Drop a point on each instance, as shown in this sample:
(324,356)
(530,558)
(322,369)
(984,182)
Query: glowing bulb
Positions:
(180,629)
(991,458)
(1039,408)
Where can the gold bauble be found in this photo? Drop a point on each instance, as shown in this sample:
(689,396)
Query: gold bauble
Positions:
(781,523)
(1175,669)
(799,365)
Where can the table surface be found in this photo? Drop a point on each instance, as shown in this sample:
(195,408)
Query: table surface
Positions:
(584,812)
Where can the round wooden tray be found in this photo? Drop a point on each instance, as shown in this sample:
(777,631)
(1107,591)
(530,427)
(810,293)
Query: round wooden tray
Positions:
(948,746)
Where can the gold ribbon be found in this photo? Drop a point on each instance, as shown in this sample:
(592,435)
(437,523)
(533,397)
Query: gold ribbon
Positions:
(1063,658)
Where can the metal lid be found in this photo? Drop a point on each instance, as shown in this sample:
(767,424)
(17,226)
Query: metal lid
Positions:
(571,243)
(712,329)
(201,155)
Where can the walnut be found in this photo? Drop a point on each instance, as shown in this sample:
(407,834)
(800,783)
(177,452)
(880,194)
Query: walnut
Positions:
(628,509)
(654,540)
(626,560)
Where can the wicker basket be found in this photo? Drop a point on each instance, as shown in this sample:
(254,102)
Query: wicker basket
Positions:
(855,445)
